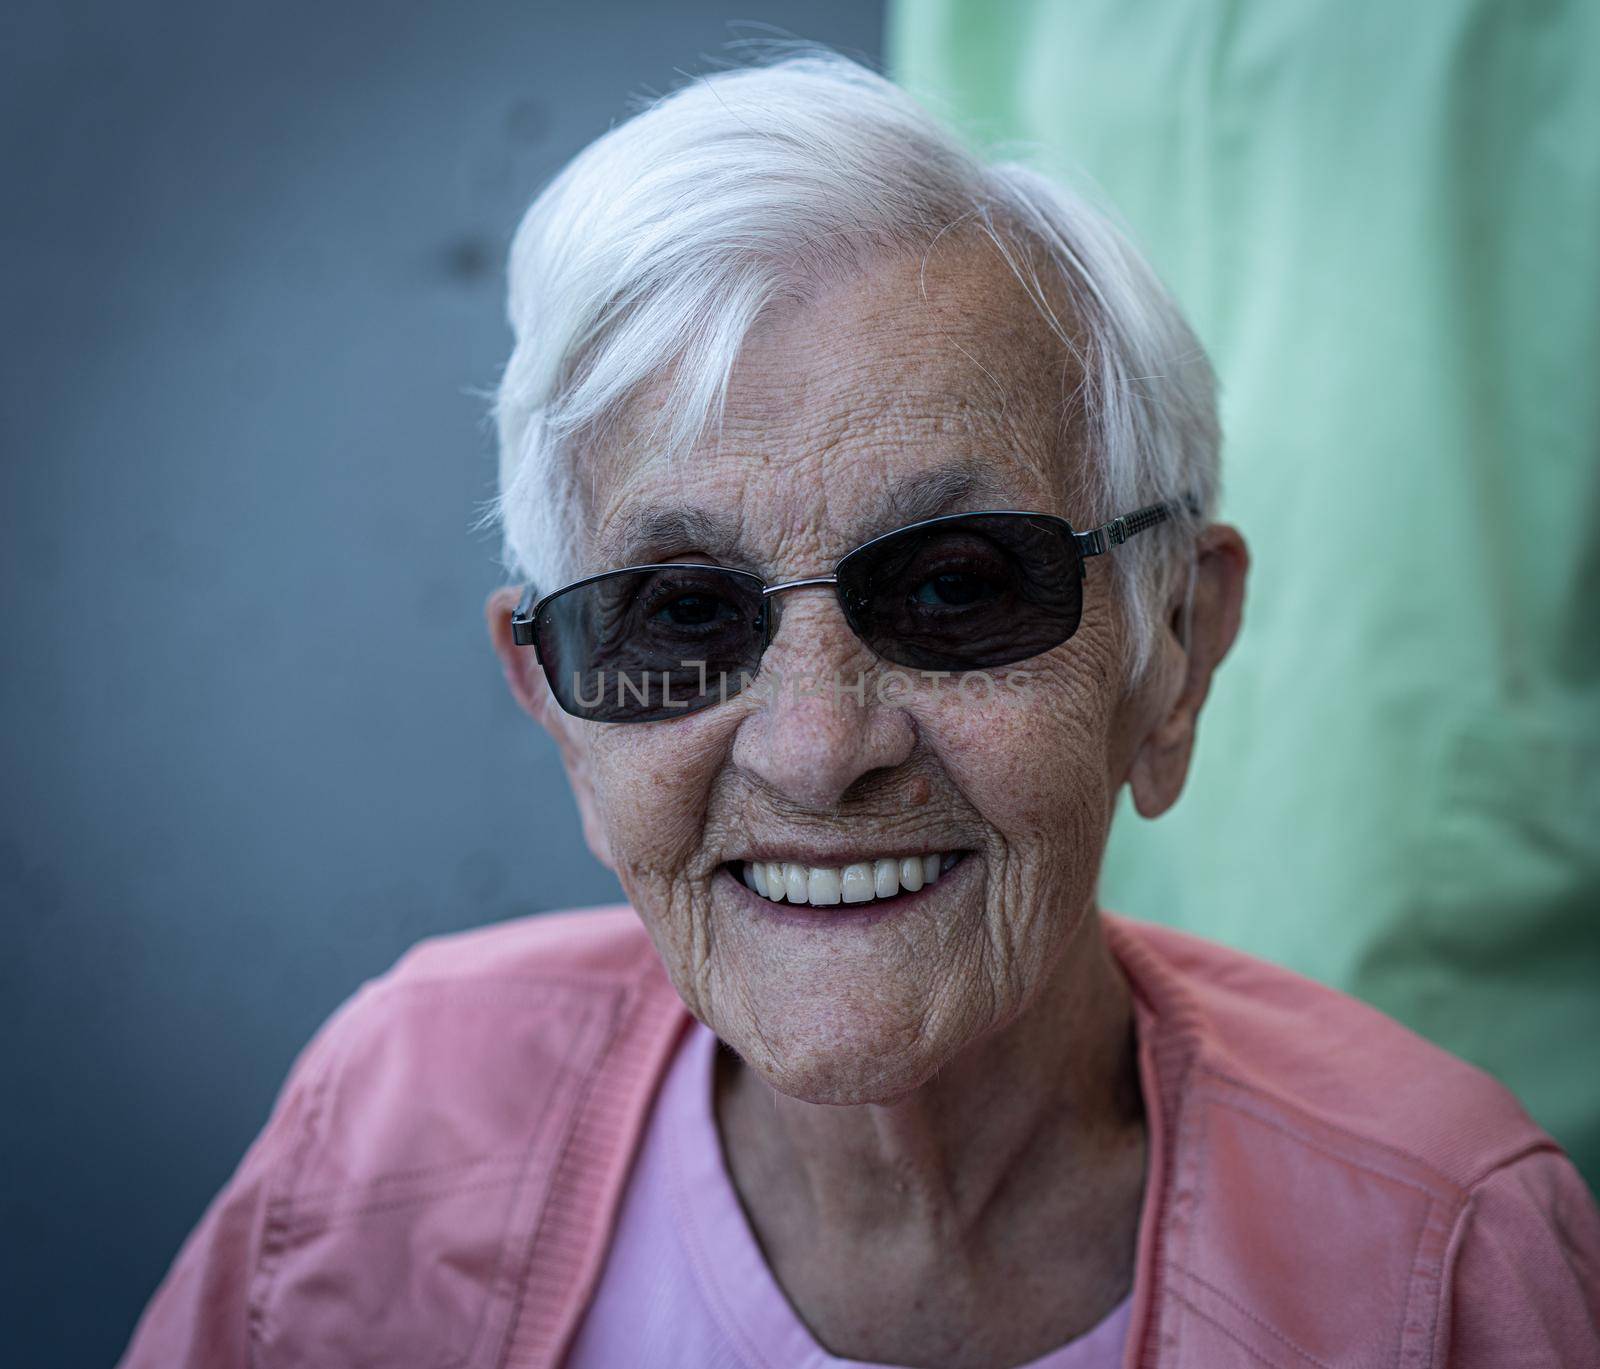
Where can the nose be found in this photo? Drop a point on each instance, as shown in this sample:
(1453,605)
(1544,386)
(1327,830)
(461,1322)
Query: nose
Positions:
(820,725)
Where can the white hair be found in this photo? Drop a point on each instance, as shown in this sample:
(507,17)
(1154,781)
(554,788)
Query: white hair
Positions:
(652,253)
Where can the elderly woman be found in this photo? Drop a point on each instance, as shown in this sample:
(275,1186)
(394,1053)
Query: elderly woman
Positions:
(859,497)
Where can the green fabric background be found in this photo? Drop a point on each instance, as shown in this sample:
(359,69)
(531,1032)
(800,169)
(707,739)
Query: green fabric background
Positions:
(1384,221)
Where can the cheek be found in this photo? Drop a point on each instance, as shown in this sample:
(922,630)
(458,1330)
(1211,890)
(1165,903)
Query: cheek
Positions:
(651,785)
(1031,754)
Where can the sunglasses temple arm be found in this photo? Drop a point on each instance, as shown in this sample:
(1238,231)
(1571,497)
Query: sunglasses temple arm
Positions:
(1098,541)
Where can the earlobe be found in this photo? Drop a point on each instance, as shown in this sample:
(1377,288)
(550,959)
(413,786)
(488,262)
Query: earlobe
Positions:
(1155,779)
(1200,628)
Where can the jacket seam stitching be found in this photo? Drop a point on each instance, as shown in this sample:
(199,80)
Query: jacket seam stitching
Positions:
(1463,1214)
(615,1030)
(1240,1106)
(1411,1280)
(1223,1330)
(1457,1186)
(505,1160)
(1246,1312)
(314,1223)
(1190,1146)
(279,1184)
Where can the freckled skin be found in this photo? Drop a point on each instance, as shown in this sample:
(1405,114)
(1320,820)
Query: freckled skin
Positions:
(969,1192)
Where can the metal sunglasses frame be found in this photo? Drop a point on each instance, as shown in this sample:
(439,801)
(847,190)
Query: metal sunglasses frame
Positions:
(1095,542)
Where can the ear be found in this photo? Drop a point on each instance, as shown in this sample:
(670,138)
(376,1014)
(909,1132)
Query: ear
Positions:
(1161,762)
(526,680)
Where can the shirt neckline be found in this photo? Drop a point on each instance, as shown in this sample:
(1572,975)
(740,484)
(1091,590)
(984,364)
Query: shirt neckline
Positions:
(728,1266)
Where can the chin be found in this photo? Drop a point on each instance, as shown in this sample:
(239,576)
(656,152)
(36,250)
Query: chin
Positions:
(841,1057)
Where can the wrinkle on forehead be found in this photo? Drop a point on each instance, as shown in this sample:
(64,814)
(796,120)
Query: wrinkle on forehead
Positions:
(914,369)
(644,531)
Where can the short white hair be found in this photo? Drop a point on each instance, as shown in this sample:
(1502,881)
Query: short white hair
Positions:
(651,254)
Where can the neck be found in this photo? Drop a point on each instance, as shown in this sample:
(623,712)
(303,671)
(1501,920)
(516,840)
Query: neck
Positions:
(1047,1096)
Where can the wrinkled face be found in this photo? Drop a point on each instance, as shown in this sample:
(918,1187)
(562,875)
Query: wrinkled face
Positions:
(841,416)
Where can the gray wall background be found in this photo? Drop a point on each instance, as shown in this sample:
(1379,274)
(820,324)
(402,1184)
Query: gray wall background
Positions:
(255,743)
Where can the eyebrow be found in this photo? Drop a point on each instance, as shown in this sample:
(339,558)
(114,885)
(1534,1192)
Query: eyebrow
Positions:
(646,534)
(927,494)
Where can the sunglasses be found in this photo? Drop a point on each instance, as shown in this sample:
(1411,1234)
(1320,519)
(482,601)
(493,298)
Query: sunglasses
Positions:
(966,591)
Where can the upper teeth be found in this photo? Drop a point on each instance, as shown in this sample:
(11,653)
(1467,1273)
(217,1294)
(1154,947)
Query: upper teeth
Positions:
(785,881)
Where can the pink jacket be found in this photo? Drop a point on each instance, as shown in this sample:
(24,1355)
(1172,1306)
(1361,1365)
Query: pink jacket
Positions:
(439,1177)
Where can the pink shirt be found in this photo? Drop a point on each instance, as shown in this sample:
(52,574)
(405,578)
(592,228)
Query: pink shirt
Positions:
(685,1283)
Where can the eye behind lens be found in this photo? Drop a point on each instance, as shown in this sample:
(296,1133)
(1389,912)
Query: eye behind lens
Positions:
(976,592)
(653,643)
(955,590)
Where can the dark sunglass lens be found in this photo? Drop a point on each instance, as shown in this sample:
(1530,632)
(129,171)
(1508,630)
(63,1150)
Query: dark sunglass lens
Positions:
(649,644)
(968,593)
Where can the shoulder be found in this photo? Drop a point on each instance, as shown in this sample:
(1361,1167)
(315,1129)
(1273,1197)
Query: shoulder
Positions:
(1300,1130)
(485,1088)
(538,1002)
(1305,1050)
(1524,1280)
(458,1013)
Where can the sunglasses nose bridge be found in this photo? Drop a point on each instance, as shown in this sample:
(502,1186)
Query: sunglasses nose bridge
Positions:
(769,592)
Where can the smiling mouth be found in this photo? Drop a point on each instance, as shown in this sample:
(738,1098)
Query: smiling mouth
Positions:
(862,882)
